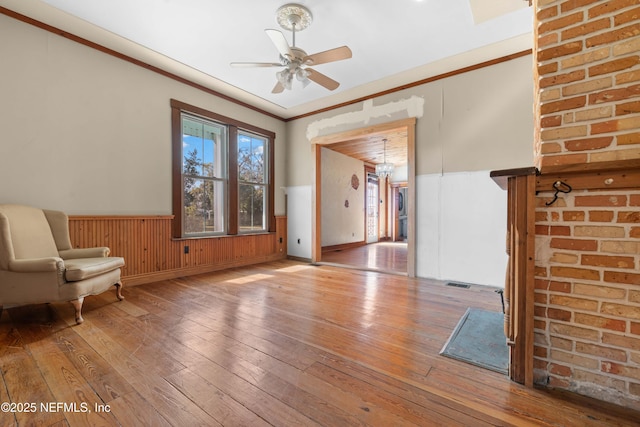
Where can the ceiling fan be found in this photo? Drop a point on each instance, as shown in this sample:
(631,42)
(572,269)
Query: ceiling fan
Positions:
(296,62)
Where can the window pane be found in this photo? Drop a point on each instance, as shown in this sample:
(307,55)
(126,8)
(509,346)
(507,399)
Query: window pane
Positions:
(252,204)
(203,148)
(191,147)
(203,206)
(193,218)
(214,150)
(251,158)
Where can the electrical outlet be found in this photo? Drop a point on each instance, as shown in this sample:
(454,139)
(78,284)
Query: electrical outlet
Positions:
(186,249)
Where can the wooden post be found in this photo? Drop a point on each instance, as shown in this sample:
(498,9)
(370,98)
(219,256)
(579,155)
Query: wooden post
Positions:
(519,281)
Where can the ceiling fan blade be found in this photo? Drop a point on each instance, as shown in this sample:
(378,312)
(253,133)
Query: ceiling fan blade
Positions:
(280,42)
(278,88)
(255,64)
(321,79)
(330,55)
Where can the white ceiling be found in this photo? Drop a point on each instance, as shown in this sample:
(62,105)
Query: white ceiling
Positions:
(393,42)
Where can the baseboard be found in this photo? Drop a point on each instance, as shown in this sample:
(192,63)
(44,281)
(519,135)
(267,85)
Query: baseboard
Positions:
(343,246)
(300,259)
(190,271)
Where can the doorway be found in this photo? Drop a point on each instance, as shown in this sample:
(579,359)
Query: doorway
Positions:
(372,208)
(355,142)
(400,219)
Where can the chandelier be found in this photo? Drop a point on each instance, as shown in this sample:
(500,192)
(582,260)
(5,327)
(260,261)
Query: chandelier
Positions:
(384,170)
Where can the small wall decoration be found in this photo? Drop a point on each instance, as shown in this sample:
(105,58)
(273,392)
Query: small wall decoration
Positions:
(355,182)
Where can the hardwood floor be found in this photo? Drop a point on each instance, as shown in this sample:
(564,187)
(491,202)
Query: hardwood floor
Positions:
(388,257)
(283,344)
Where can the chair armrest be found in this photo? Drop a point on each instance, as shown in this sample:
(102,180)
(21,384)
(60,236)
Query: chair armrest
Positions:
(36,265)
(85,253)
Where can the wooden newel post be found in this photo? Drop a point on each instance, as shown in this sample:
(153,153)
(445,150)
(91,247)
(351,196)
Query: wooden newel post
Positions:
(520,185)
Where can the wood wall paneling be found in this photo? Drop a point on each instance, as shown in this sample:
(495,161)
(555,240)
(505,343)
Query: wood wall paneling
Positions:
(152,254)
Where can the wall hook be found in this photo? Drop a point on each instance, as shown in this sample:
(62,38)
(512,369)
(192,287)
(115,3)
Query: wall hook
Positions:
(560,187)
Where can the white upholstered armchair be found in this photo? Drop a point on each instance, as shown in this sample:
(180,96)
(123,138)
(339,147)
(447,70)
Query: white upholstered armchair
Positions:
(38,264)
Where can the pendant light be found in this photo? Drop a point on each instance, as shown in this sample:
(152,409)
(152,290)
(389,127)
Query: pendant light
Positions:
(384,170)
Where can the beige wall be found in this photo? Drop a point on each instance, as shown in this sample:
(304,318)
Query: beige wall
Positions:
(89,133)
(342,223)
(480,120)
(485,121)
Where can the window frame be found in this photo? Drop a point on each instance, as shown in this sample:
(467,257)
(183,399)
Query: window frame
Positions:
(232,187)
(219,178)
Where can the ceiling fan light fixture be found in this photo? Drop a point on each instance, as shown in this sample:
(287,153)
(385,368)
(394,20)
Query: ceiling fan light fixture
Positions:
(285,78)
(303,76)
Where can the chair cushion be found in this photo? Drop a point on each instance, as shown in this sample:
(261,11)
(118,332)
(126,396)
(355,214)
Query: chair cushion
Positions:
(84,268)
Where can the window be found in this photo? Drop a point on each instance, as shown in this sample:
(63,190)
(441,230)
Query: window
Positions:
(204,176)
(222,175)
(252,182)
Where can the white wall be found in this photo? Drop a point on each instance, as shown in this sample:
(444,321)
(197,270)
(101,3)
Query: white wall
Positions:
(341,224)
(299,205)
(400,173)
(461,228)
(88,133)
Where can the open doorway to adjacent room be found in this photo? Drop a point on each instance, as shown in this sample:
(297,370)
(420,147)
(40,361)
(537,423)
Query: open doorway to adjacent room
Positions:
(362,219)
(372,207)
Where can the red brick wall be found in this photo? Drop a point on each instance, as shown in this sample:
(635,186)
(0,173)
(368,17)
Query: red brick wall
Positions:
(587,298)
(588,55)
(588,243)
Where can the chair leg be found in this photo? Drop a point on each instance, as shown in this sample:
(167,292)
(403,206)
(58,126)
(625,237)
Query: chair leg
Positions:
(119,291)
(77,304)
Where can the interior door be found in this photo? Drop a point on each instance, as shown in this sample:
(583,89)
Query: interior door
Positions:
(373,207)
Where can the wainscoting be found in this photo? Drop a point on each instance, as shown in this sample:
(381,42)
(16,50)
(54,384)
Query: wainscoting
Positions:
(151,253)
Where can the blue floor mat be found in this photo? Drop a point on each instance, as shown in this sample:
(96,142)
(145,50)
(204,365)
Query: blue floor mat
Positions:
(479,340)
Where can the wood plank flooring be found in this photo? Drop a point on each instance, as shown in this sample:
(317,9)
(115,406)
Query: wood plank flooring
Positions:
(277,344)
(389,257)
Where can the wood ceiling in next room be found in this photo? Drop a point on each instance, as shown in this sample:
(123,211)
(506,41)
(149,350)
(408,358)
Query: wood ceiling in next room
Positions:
(369,148)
